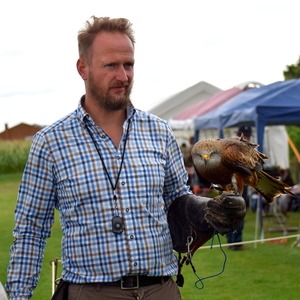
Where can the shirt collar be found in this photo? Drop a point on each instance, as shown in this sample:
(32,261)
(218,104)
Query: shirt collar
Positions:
(83,115)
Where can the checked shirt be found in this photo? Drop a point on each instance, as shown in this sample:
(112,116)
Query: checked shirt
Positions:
(64,172)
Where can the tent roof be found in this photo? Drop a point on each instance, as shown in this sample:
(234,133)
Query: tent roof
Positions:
(185,119)
(214,101)
(207,105)
(275,103)
(176,103)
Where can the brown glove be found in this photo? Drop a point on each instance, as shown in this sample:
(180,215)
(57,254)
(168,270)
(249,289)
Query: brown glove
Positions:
(198,217)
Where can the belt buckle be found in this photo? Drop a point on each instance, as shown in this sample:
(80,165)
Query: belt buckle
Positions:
(130,282)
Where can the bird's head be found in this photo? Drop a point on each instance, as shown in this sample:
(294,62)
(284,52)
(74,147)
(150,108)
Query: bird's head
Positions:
(206,155)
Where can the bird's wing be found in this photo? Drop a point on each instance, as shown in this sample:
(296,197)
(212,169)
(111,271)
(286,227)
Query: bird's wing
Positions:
(243,156)
(242,169)
(202,180)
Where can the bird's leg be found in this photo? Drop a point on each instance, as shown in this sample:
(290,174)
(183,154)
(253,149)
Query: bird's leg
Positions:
(232,188)
(235,188)
(218,188)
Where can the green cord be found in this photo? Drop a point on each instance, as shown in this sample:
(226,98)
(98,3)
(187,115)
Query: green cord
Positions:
(223,268)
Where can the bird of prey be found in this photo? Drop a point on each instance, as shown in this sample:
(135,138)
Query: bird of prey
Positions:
(234,162)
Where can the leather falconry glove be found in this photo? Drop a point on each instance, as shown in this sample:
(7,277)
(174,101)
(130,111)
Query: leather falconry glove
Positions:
(198,217)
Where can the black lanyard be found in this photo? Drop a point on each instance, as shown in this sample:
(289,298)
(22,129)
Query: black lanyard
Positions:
(117,221)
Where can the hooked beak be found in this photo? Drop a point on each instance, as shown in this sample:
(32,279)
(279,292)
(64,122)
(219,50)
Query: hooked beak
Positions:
(206,158)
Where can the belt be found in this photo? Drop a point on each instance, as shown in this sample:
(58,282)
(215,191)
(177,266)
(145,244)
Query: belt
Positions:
(136,281)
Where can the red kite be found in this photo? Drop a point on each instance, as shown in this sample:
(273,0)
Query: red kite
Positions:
(234,162)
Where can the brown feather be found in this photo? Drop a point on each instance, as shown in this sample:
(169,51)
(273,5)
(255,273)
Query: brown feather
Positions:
(223,161)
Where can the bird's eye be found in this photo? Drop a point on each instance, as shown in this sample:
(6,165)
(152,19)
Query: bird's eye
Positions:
(212,153)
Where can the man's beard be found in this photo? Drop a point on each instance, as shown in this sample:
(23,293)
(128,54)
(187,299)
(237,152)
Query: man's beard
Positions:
(108,102)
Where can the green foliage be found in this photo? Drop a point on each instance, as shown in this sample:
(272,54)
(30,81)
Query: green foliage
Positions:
(294,134)
(293,71)
(13,156)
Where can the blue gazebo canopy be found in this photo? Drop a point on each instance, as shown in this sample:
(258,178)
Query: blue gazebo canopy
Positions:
(274,104)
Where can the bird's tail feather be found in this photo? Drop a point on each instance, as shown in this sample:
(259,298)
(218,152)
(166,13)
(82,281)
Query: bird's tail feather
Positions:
(270,187)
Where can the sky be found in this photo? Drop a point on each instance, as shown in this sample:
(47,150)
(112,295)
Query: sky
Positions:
(178,44)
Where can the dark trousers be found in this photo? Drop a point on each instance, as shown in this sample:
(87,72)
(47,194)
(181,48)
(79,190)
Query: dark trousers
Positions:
(235,237)
(166,291)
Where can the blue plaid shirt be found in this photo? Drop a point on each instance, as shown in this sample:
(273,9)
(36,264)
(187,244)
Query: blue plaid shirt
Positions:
(64,171)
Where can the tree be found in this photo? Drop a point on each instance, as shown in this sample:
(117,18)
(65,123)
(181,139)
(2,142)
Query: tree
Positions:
(293,71)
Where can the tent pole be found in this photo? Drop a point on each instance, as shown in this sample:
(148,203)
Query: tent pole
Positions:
(262,235)
(221,134)
(196,136)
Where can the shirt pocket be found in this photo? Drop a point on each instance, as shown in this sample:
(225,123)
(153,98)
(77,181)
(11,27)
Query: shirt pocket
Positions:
(147,179)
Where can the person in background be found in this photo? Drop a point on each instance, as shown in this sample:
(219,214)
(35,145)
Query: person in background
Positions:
(284,201)
(112,171)
(237,236)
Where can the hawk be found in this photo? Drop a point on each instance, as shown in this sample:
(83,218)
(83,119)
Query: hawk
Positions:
(234,162)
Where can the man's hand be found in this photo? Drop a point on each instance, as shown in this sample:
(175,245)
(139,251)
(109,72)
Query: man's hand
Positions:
(225,212)
(198,217)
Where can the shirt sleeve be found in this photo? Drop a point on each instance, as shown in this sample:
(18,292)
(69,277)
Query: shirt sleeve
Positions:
(34,217)
(176,176)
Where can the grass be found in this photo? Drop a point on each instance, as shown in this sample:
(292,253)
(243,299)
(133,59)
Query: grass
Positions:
(269,271)
(9,185)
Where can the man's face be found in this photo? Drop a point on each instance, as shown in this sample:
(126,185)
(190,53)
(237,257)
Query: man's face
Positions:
(110,73)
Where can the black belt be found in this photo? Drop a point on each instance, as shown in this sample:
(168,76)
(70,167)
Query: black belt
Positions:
(136,281)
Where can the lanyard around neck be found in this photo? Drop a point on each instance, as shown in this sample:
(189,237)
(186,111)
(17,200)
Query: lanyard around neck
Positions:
(101,158)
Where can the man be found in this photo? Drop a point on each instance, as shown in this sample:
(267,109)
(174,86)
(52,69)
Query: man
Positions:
(112,171)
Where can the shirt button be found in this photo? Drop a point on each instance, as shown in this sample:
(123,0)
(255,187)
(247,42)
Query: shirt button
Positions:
(118,157)
(135,264)
(131,237)
(103,136)
(127,209)
(123,183)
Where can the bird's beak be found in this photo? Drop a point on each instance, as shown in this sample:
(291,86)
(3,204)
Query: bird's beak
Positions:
(206,157)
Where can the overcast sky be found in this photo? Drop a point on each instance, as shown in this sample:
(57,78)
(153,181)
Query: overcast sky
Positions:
(179,43)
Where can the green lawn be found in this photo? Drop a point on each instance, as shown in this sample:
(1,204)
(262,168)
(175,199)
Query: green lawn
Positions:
(9,185)
(269,271)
